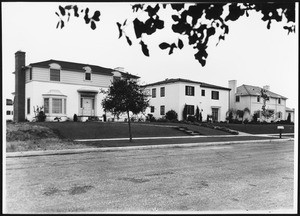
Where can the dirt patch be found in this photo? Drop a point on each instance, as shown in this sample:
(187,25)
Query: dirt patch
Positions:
(80,189)
(134,180)
(27,131)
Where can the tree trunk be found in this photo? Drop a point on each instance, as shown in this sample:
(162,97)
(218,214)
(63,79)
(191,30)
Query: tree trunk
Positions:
(129,125)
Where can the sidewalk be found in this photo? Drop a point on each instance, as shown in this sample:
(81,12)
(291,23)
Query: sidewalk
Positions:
(151,142)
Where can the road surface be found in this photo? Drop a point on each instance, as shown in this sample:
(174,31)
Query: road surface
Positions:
(243,177)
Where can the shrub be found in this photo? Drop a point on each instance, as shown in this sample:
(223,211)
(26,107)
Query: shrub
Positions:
(246,121)
(255,117)
(150,118)
(75,118)
(289,118)
(184,112)
(191,118)
(163,119)
(41,117)
(171,115)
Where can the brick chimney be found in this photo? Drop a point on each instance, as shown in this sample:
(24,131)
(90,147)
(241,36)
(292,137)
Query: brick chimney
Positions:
(19,101)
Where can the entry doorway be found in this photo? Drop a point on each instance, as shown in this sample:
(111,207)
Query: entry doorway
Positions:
(215,114)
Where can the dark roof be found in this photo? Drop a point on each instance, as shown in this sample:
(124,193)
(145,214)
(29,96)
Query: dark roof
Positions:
(202,84)
(255,91)
(72,66)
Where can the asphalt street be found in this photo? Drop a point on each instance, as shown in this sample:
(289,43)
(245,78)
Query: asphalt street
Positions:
(240,177)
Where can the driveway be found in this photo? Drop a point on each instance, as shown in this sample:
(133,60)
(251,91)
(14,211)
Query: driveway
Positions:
(240,177)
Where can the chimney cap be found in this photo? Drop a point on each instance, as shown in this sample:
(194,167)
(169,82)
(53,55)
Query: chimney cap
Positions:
(20,51)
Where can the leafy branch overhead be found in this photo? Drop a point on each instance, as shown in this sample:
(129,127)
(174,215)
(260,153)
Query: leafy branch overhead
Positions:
(197,23)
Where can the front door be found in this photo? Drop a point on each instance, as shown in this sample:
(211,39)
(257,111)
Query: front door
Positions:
(87,106)
(215,114)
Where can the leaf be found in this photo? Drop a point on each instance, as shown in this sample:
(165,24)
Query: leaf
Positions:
(125,22)
(180,44)
(96,16)
(120,30)
(164,45)
(57,14)
(57,24)
(75,8)
(128,41)
(86,18)
(175,18)
(62,10)
(138,27)
(93,25)
(144,48)
(69,16)
(177,7)
(62,24)
(68,7)
(173,45)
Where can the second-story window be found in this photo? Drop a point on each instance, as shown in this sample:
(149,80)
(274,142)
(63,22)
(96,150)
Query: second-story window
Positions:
(54,75)
(87,76)
(190,90)
(258,98)
(202,92)
(154,92)
(237,98)
(279,100)
(215,95)
(162,91)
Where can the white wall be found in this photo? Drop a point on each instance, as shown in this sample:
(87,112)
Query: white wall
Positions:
(35,89)
(175,99)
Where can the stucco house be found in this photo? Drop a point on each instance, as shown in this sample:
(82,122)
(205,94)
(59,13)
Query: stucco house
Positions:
(174,94)
(62,88)
(248,96)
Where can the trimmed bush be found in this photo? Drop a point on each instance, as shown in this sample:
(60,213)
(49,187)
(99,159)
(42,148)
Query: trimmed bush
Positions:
(172,115)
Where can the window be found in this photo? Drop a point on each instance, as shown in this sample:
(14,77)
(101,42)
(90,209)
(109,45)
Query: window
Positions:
(115,78)
(54,75)
(202,92)
(279,115)
(87,76)
(258,98)
(190,90)
(46,105)
(57,105)
(279,100)
(190,109)
(30,73)
(162,91)
(215,95)
(162,110)
(7,112)
(28,105)
(154,92)
(152,109)
(81,102)
(237,98)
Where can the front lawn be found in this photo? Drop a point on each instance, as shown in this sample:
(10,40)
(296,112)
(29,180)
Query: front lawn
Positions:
(257,128)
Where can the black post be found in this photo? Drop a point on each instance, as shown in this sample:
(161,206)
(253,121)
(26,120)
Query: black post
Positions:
(280,130)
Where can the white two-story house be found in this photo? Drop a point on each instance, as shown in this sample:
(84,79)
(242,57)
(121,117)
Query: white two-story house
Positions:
(174,94)
(248,96)
(61,88)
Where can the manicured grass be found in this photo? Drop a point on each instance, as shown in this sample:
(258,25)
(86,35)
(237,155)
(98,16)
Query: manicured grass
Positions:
(99,130)
(257,128)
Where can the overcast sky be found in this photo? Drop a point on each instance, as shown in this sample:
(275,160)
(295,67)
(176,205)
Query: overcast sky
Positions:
(250,54)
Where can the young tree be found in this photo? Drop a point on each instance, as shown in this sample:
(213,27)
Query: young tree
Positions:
(125,96)
(207,20)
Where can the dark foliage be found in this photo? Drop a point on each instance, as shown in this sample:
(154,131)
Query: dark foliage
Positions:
(207,20)
(75,118)
(171,115)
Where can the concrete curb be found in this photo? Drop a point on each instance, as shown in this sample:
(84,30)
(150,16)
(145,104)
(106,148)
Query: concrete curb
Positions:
(87,150)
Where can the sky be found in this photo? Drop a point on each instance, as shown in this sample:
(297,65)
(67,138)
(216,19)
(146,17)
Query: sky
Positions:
(250,54)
